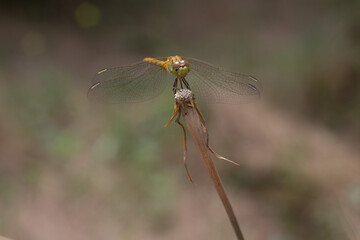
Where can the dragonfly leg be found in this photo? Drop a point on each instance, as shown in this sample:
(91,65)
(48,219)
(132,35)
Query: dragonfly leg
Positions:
(186,83)
(175,85)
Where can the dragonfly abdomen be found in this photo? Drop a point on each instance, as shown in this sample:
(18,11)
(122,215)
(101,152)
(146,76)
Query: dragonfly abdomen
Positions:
(155,62)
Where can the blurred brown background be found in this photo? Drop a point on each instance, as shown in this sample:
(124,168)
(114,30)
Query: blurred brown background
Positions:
(71,170)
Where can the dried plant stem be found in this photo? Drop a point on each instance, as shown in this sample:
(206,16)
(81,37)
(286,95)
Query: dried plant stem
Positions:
(198,134)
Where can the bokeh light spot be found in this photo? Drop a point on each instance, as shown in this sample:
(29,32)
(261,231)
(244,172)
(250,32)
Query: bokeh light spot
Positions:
(33,43)
(87,15)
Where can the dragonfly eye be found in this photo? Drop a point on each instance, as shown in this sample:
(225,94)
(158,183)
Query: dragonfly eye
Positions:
(176,65)
(185,63)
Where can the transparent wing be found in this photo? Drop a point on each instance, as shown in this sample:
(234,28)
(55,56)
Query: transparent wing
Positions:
(215,85)
(135,83)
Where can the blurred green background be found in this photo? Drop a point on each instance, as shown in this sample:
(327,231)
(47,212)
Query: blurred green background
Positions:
(72,170)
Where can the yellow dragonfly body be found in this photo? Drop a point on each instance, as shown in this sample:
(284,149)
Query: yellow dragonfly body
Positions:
(146,79)
(175,65)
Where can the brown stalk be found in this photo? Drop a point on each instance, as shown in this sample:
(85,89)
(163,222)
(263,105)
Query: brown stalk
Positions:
(186,107)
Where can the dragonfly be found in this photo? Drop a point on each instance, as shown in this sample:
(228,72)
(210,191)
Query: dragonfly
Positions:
(148,78)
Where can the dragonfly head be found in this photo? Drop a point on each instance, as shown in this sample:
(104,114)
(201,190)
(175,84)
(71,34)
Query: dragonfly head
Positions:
(180,68)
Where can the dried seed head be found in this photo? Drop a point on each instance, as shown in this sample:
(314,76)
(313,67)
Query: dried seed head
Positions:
(184,95)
